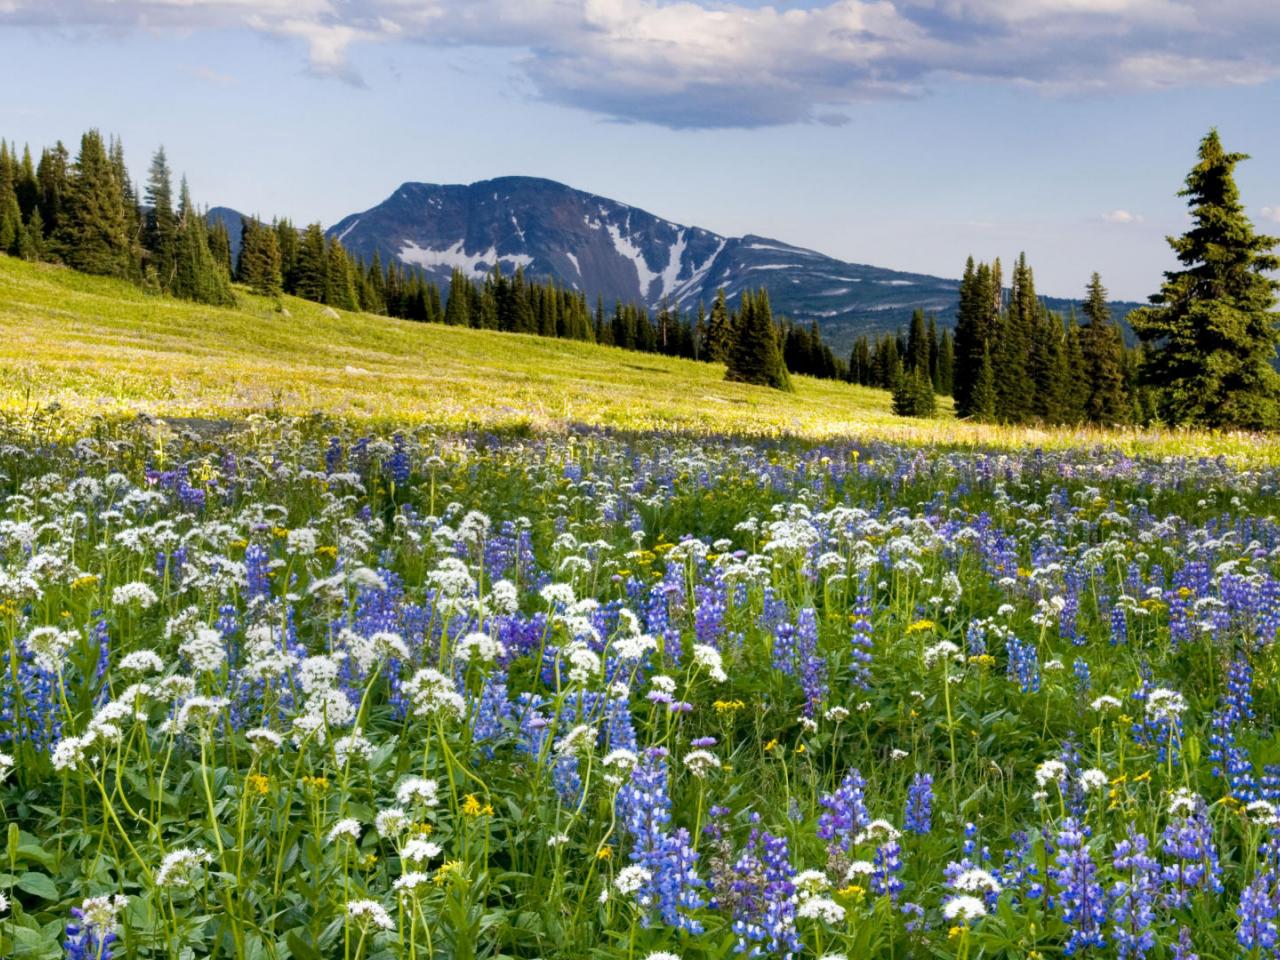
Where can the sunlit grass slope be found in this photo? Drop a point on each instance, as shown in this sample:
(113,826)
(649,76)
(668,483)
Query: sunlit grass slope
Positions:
(99,346)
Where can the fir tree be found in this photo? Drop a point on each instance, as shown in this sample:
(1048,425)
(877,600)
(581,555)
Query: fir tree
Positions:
(197,275)
(160,228)
(220,245)
(913,396)
(457,310)
(310,273)
(755,357)
(93,226)
(259,265)
(32,241)
(946,364)
(1103,368)
(339,279)
(1077,385)
(720,332)
(1011,345)
(54,183)
(287,242)
(984,390)
(1213,330)
(1046,367)
(918,345)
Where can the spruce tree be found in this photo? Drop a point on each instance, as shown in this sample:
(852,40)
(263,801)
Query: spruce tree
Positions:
(946,364)
(310,273)
(720,332)
(1103,350)
(259,265)
(1213,330)
(1011,345)
(287,241)
(197,275)
(32,241)
(918,345)
(983,401)
(1046,366)
(220,246)
(913,395)
(54,183)
(1077,385)
(339,279)
(93,226)
(755,357)
(457,310)
(160,228)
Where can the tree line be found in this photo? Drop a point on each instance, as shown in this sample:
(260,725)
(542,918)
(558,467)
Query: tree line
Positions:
(1205,356)
(87,213)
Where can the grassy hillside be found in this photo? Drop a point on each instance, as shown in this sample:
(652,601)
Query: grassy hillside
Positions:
(99,346)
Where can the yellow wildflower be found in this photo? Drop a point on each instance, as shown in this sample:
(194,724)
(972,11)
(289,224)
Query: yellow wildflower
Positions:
(446,870)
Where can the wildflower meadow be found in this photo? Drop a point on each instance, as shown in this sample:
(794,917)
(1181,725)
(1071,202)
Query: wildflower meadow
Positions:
(294,689)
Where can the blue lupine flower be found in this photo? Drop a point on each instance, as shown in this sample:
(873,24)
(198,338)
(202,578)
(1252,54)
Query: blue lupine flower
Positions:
(1134,898)
(919,813)
(862,645)
(846,812)
(1080,896)
(1258,933)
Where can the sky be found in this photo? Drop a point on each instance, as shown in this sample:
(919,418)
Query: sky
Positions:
(902,133)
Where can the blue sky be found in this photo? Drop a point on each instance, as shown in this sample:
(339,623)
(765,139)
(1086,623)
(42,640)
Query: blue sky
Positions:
(903,133)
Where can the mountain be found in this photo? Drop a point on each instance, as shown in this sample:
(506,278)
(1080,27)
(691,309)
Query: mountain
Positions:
(231,219)
(609,249)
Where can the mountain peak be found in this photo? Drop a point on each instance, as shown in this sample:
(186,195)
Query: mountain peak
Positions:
(604,248)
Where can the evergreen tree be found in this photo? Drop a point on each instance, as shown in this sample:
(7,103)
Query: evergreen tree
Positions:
(983,398)
(934,348)
(54,183)
(93,226)
(25,185)
(913,396)
(220,245)
(310,273)
(1211,337)
(1077,385)
(197,275)
(259,265)
(1046,366)
(457,310)
(1213,330)
(31,246)
(287,242)
(1010,348)
(946,364)
(339,279)
(976,318)
(160,228)
(755,357)
(720,332)
(132,208)
(1103,368)
(918,345)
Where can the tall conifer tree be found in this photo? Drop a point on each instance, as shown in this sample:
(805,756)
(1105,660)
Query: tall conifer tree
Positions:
(1212,330)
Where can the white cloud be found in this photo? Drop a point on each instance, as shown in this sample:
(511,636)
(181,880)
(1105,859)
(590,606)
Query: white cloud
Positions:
(1122,216)
(1271,213)
(719,63)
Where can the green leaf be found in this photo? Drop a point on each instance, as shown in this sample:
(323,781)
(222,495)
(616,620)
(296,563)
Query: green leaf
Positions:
(299,948)
(38,885)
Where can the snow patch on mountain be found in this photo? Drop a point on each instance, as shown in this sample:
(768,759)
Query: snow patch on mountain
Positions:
(343,235)
(472,264)
(675,263)
(630,251)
